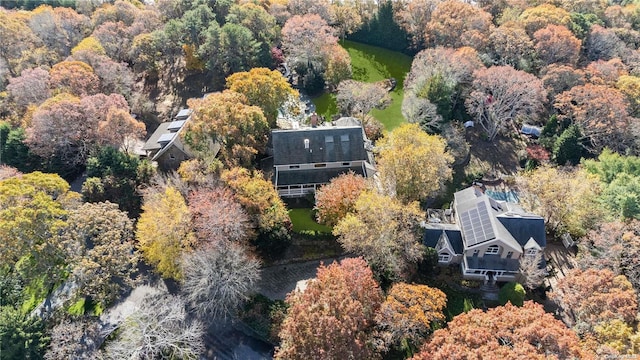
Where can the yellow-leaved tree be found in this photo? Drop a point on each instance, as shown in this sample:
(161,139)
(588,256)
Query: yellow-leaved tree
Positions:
(164,231)
(412,164)
(566,199)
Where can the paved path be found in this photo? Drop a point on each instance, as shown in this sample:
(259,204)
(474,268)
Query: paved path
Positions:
(278,280)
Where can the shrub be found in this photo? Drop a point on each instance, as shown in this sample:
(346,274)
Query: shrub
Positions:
(512,292)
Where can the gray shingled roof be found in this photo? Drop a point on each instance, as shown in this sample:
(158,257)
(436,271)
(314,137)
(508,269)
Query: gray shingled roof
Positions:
(314,176)
(326,144)
(152,143)
(431,237)
(524,228)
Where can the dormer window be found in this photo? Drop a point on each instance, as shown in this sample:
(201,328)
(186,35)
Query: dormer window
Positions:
(531,252)
(306,144)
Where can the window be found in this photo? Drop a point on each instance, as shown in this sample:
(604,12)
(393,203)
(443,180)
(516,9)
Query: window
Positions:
(329,148)
(531,252)
(444,257)
(475,252)
(294,166)
(492,250)
(344,144)
(509,254)
(320,165)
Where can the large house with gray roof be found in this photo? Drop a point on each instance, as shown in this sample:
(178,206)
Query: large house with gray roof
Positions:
(307,158)
(486,237)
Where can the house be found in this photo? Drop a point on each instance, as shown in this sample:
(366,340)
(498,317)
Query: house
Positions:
(486,237)
(306,158)
(165,146)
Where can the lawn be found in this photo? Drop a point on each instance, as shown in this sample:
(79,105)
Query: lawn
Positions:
(371,64)
(302,220)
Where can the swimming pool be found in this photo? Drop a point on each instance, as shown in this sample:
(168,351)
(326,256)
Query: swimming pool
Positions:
(508,196)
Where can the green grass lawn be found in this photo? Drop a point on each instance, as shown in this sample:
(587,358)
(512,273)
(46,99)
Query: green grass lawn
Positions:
(371,64)
(302,220)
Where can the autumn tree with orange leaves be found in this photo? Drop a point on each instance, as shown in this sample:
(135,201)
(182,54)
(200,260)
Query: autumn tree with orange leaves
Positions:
(601,114)
(338,198)
(594,296)
(333,318)
(408,314)
(504,332)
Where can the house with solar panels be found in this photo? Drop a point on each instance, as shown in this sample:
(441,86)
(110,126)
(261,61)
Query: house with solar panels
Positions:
(165,146)
(487,238)
(306,158)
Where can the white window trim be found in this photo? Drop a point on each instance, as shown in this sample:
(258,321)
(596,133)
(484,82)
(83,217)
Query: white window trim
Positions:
(444,257)
(492,250)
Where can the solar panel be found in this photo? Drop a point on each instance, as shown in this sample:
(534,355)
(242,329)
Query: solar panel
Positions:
(165,138)
(476,224)
(176,125)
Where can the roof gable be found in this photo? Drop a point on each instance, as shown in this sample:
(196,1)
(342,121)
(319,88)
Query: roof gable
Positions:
(318,145)
(523,228)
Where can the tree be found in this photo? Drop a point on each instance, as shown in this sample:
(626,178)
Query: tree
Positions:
(505,332)
(601,114)
(69,128)
(22,336)
(68,340)
(306,39)
(412,164)
(512,292)
(15,38)
(218,279)
(74,77)
(630,86)
(439,78)
(568,146)
(614,246)
(531,275)
(119,127)
(544,193)
(456,24)
(358,98)
(594,296)
(556,44)
(238,49)
(30,88)
(264,88)
(413,17)
(501,95)
(334,316)
(385,232)
(338,66)
(226,118)
(115,39)
(346,19)
(619,336)
(158,329)
(409,313)
(261,201)
(115,78)
(620,177)
(164,231)
(261,24)
(536,18)
(511,45)
(602,44)
(33,208)
(218,217)
(338,198)
(560,78)
(116,176)
(60,28)
(98,242)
